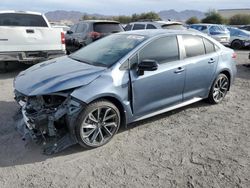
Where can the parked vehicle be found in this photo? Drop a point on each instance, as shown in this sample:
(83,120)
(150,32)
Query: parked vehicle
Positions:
(218,32)
(154,25)
(63,27)
(85,97)
(245,27)
(239,38)
(28,37)
(86,32)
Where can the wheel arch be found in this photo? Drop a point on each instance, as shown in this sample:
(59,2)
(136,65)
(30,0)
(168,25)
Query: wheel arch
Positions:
(118,104)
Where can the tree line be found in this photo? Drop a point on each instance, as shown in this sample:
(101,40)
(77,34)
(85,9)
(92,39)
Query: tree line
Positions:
(126,19)
(214,17)
(211,16)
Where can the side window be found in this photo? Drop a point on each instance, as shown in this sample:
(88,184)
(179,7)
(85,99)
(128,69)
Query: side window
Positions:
(199,27)
(150,26)
(73,28)
(162,50)
(128,27)
(193,45)
(138,26)
(209,46)
(81,27)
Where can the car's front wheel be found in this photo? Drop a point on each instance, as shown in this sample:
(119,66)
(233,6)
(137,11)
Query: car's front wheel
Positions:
(219,89)
(97,124)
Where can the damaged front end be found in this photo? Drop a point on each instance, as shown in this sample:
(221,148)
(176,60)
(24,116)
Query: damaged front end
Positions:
(49,119)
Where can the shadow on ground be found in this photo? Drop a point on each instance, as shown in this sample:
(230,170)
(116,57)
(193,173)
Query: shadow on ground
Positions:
(12,69)
(243,71)
(15,151)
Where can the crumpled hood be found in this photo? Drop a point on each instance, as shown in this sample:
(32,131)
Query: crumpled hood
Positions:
(55,75)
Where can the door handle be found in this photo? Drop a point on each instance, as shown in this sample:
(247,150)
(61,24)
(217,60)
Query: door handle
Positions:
(211,61)
(30,31)
(179,70)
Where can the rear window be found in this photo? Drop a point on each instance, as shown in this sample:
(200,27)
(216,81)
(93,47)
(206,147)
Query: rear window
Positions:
(22,20)
(215,30)
(107,27)
(174,26)
(138,26)
(193,45)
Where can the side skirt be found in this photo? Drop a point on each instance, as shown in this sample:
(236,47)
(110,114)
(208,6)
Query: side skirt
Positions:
(196,99)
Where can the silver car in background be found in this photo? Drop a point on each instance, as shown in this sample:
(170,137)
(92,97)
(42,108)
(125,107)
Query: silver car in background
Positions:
(216,31)
(239,38)
(154,25)
(126,77)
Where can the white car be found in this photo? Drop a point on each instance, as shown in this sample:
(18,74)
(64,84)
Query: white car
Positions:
(28,37)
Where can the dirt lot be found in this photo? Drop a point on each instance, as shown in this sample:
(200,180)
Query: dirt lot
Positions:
(196,146)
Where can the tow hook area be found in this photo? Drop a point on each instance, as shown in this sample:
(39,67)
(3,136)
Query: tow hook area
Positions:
(51,128)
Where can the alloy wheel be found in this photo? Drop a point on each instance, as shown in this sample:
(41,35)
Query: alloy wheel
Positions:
(220,89)
(99,126)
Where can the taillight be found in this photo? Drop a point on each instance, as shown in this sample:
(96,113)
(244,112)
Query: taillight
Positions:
(94,35)
(62,38)
(234,55)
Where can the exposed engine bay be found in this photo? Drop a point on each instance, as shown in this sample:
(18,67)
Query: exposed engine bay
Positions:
(49,120)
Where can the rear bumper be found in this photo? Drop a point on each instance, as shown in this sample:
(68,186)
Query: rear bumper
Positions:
(225,43)
(30,56)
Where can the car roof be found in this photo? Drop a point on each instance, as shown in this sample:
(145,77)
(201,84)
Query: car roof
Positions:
(205,24)
(154,32)
(99,21)
(157,22)
(20,12)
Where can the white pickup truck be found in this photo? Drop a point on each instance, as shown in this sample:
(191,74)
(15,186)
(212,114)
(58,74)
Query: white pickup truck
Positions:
(28,37)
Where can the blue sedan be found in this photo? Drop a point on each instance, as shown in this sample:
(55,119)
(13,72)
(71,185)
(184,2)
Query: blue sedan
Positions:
(87,96)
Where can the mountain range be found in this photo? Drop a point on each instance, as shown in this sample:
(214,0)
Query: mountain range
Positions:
(74,16)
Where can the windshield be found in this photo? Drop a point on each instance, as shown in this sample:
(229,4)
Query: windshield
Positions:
(108,50)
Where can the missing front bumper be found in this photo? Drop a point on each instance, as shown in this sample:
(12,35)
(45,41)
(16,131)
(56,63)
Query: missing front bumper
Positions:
(53,130)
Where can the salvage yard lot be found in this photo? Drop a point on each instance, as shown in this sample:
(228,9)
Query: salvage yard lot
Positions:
(200,145)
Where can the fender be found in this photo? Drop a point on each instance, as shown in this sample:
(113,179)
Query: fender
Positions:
(102,87)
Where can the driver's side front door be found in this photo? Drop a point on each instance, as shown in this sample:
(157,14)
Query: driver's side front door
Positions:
(160,88)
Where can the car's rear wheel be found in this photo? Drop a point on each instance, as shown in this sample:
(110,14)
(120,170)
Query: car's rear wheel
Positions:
(237,44)
(97,124)
(219,89)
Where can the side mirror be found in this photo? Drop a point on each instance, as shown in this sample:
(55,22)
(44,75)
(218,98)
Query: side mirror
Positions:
(147,65)
(69,32)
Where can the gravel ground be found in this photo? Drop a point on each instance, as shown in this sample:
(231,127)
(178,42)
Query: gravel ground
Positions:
(195,146)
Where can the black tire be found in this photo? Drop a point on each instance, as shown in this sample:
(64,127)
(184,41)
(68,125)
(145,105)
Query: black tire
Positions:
(220,86)
(237,44)
(85,124)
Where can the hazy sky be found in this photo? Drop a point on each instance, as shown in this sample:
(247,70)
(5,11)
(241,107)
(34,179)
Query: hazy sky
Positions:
(119,7)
